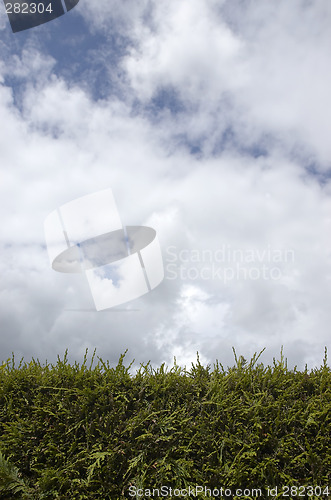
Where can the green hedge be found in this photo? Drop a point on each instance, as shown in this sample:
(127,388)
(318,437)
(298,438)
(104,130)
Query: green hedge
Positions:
(71,431)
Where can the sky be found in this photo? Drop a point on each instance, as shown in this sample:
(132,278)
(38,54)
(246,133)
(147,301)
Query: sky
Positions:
(210,121)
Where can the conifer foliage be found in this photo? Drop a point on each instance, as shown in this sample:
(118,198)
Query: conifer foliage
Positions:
(90,431)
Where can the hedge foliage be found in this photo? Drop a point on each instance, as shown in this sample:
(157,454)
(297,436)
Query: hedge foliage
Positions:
(73,431)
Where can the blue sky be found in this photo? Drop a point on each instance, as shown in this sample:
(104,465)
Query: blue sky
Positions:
(209,121)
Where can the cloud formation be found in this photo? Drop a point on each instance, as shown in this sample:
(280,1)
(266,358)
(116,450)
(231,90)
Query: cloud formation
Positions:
(212,128)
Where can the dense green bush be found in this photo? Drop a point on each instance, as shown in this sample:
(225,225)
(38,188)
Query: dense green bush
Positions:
(78,432)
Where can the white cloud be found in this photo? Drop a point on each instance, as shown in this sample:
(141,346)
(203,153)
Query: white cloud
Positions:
(265,82)
(177,50)
(268,76)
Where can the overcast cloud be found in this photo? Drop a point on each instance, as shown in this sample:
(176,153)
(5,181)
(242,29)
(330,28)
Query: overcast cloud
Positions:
(210,122)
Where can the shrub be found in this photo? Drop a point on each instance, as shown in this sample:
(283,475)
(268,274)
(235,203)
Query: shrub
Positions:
(70,431)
